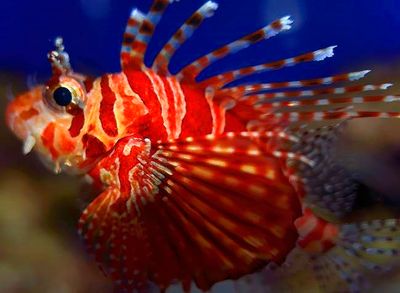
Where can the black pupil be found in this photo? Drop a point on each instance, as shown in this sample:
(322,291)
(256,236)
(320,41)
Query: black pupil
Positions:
(62,96)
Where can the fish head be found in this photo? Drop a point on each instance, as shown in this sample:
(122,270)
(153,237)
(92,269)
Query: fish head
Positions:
(49,118)
(70,122)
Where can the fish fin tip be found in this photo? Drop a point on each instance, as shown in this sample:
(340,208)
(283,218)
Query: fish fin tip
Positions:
(327,52)
(213,6)
(287,21)
(386,86)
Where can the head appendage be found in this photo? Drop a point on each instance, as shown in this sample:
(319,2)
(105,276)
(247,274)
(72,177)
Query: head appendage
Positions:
(59,59)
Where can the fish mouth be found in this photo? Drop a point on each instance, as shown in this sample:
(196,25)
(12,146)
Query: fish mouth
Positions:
(20,117)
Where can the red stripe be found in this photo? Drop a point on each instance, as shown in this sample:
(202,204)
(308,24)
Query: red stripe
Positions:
(28,114)
(48,140)
(107,116)
(198,119)
(233,123)
(77,121)
(141,85)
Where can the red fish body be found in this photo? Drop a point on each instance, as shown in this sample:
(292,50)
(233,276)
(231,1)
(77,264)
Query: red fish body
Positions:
(200,182)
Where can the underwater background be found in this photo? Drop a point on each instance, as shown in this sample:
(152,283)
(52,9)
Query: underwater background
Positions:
(39,247)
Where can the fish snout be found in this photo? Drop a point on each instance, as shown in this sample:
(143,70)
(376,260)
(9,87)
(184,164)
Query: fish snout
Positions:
(21,113)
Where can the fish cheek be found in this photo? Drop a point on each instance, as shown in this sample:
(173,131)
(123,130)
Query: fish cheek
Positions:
(47,138)
(65,143)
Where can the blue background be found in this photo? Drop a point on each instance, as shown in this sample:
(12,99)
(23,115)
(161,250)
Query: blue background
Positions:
(367,32)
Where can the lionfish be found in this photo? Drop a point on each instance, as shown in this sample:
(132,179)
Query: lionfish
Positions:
(205,181)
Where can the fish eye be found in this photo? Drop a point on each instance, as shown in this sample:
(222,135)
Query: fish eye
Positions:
(62,96)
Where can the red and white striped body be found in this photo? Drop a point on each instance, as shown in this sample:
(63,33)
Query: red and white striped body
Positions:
(200,182)
(146,105)
(143,105)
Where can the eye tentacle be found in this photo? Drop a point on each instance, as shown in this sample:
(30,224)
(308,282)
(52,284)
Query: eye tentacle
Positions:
(59,58)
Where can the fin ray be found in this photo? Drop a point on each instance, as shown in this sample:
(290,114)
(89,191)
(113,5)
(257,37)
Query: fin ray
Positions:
(242,90)
(162,60)
(190,72)
(143,27)
(225,78)
(228,227)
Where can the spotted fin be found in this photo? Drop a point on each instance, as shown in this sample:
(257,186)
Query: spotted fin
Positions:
(363,248)
(326,185)
(342,254)
(332,258)
(201,209)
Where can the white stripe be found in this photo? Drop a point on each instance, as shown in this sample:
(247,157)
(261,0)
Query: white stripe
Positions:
(318,116)
(218,127)
(339,90)
(289,61)
(179,104)
(323,102)
(327,80)
(358,100)
(296,83)
(294,116)
(116,83)
(159,90)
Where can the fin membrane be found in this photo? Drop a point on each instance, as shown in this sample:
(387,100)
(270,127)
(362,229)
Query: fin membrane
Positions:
(202,209)
(327,185)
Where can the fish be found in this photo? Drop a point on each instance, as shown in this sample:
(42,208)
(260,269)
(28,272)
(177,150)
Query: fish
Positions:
(202,181)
